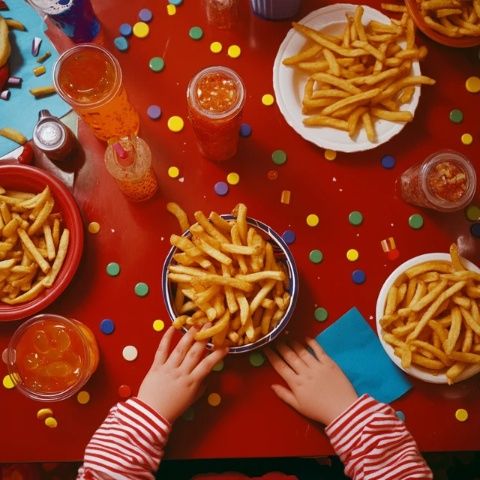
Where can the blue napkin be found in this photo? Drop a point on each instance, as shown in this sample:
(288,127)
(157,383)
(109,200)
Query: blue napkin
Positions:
(21,111)
(357,350)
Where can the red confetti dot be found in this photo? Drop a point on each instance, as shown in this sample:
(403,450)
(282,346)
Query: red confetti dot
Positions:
(124,391)
(272,174)
(393,254)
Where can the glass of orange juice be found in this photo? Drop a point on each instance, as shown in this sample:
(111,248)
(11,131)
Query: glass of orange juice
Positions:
(89,78)
(51,357)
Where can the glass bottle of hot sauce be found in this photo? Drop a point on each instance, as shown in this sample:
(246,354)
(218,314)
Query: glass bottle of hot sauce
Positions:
(215,100)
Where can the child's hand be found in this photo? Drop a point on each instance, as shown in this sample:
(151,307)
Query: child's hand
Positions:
(174,380)
(318,388)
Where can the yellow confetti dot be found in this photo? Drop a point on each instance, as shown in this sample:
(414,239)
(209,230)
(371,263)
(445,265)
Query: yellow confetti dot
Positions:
(171,9)
(173,172)
(461,415)
(214,399)
(473,84)
(467,139)
(234,51)
(312,220)
(8,382)
(158,325)
(233,178)
(268,99)
(141,29)
(216,47)
(352,255)
(330,154)
(93,227)
(51,422)
(44,413)
(175,123)
(83,397)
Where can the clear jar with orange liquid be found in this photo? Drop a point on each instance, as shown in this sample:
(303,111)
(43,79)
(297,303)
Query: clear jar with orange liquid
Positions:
(51,357)
(89,78)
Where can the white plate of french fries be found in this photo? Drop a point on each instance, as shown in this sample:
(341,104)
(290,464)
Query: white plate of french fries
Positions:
(232,277)
(428,318)
(347,77)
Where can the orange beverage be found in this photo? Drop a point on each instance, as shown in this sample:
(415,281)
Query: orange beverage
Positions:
(51,357)
(89,78)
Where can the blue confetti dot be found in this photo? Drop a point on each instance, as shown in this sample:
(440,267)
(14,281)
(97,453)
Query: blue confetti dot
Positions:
(107,326)
(475,229)
(175,2)
(125,29)
(154,112)
(145,15)
(289,236)
(245,130)
(221,188)
(121,43)
(388,161)
(400,415)
(358,277)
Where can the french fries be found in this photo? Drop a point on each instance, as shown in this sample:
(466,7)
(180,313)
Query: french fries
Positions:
(431,318)
(361,76)
(30,258)
(226,275)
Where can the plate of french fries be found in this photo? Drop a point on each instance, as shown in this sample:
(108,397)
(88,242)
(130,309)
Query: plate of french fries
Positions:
(428,318)
(41,240)
(231,276)
(347,77)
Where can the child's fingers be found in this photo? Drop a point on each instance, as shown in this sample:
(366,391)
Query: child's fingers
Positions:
(281,367)
(206,365)
(193,356)
(291,357)
(286,395)
(304,353)
(317,350)
(161,354)
(182,347)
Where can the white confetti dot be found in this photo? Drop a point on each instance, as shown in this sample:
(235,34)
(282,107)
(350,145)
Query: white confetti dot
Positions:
(130,353)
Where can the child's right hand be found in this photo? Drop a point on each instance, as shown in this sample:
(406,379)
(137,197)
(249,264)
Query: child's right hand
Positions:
(318,388)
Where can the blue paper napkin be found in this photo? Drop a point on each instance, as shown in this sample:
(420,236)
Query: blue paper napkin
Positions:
(21,111)
(357,350)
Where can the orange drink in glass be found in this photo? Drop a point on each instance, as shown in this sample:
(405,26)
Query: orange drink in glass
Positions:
(51,357)
(89,78)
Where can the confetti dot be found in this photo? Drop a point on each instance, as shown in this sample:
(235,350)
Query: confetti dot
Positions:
(51,422)
(141,29)
(141,289)
(312,220)
(456,116)
(130,353)
(218,367)
(154,112)
(388,162)
(475,230)
(245,130)
(171,9)
(415,221)
(473,84)
(272,174)
(315,256)
(330,155)
(289,236)
(8,382)
(113,269)
(195,33)
(83,397)
(279,157)
(473,212)
(393,254)
(355,218)
(214,399)
(216,47)
(466,139)
(256,359)
(400,415)
(233,178)
(156,64)
(125,29)
(173,172)
(44,413)
(158,325)
(145,15)
(461,415)
(107,326)
(352,255)
(320,314)
(175,2)
(189,415)
(93,227)
(358,277)
(121,44)
(234,51)
(221,188)
(175,123)
(268,99)
(124,391)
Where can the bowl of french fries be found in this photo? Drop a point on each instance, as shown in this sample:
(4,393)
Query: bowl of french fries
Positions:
(231,276)
(453,23)
(41,240)
(428,317)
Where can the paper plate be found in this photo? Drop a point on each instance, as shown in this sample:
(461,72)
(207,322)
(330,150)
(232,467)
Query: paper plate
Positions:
(289,82)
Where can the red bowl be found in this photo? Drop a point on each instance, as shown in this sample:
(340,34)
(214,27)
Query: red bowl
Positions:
(31,179)
(458,42)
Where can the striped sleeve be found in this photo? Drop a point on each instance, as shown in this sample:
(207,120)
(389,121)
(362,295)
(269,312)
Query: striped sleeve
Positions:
(128,445)
(374,444)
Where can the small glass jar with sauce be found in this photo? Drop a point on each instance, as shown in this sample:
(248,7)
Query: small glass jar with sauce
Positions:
(215,100)
(221,14)
(445,181)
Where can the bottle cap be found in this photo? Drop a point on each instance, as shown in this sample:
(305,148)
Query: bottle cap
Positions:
(125,158)
(48,135)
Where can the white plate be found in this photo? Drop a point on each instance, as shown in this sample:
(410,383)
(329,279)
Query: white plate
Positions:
(380,308)
(289,82)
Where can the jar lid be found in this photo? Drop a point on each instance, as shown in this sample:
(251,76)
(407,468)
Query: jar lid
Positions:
(49,135)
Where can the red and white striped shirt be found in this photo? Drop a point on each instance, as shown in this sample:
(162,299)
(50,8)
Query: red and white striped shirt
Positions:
(370,440)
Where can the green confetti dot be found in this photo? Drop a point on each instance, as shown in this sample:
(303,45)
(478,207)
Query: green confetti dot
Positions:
(141,289)
(473,213)
(315,256)
(256,359)
(355,218)
(113,269)
(195,33)
(456,116)
(279,157)
(189,415)
(415,221)
(156,64)
(219,366)
(321,314)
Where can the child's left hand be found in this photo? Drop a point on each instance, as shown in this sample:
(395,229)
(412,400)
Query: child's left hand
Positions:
(174,380)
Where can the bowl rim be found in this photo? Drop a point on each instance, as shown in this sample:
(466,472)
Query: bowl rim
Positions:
(293,286)
(379,309)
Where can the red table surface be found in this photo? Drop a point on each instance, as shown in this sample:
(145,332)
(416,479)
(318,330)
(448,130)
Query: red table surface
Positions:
(250,421)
